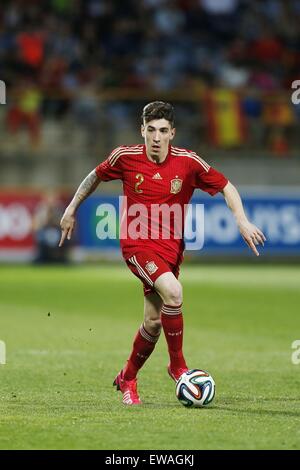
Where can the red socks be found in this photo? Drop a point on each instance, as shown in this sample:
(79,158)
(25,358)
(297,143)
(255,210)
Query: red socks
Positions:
(172,323)
(143,345)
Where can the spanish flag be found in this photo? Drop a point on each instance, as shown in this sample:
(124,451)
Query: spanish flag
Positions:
(226,127)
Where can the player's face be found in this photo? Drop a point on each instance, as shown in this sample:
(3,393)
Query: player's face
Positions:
(157,134)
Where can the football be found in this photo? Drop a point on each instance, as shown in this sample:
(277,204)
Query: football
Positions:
(195,388)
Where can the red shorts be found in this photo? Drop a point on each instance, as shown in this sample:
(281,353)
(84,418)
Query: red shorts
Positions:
(148,266)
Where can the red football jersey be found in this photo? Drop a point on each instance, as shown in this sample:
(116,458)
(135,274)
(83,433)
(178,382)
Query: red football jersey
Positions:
(147,186)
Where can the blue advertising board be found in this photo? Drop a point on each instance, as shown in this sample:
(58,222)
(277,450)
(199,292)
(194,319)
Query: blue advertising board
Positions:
(278,217)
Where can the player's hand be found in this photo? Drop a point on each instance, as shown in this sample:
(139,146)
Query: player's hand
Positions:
(252,235)
(67,225)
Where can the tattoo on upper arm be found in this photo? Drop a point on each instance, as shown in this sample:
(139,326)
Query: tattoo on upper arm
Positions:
(88,182)
(88,185)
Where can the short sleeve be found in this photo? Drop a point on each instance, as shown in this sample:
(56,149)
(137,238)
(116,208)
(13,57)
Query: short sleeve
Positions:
(208,178)
(111,168)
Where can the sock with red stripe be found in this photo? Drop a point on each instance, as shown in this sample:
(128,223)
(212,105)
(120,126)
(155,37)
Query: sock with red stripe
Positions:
(172,323)
(143,346)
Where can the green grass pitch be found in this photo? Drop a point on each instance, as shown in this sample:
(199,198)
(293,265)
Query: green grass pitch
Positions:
(69,330)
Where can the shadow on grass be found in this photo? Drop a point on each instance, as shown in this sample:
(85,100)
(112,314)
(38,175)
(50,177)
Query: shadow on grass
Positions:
(232,406)
(249,412)
(175,405)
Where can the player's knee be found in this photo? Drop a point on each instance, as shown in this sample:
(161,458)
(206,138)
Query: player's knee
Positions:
(174,295)
(153,326)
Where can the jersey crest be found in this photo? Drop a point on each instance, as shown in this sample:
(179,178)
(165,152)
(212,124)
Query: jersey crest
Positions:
(176,185)
(151,267)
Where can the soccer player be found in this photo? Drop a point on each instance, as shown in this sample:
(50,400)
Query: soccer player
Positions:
(157,173)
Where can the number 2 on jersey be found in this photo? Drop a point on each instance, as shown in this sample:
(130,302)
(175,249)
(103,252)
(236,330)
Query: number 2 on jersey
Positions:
(140,178)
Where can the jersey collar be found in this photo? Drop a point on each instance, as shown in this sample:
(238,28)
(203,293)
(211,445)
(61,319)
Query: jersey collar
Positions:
(157,164)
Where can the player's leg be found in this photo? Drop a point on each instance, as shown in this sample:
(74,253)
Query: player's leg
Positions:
(146,336)
(152,308)
(143,345)
(170,290)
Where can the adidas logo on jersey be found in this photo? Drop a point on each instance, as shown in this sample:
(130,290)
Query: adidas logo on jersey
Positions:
(157,177)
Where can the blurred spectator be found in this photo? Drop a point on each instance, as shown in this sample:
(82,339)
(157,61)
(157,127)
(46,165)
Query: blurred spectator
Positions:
(267,48)
(219,7)
(252,106)
(31,44)
(234,77)
(46,228)
(87,111)
(169,20)
(24,111)
(63,7)
(279,119)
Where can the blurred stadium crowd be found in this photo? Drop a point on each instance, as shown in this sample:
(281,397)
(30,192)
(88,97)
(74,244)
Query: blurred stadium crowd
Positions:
(229,63)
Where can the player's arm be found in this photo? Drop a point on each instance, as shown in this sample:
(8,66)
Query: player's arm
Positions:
(251,234)
(67,223)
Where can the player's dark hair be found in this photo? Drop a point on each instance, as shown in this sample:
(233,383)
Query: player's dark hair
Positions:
(158,110)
